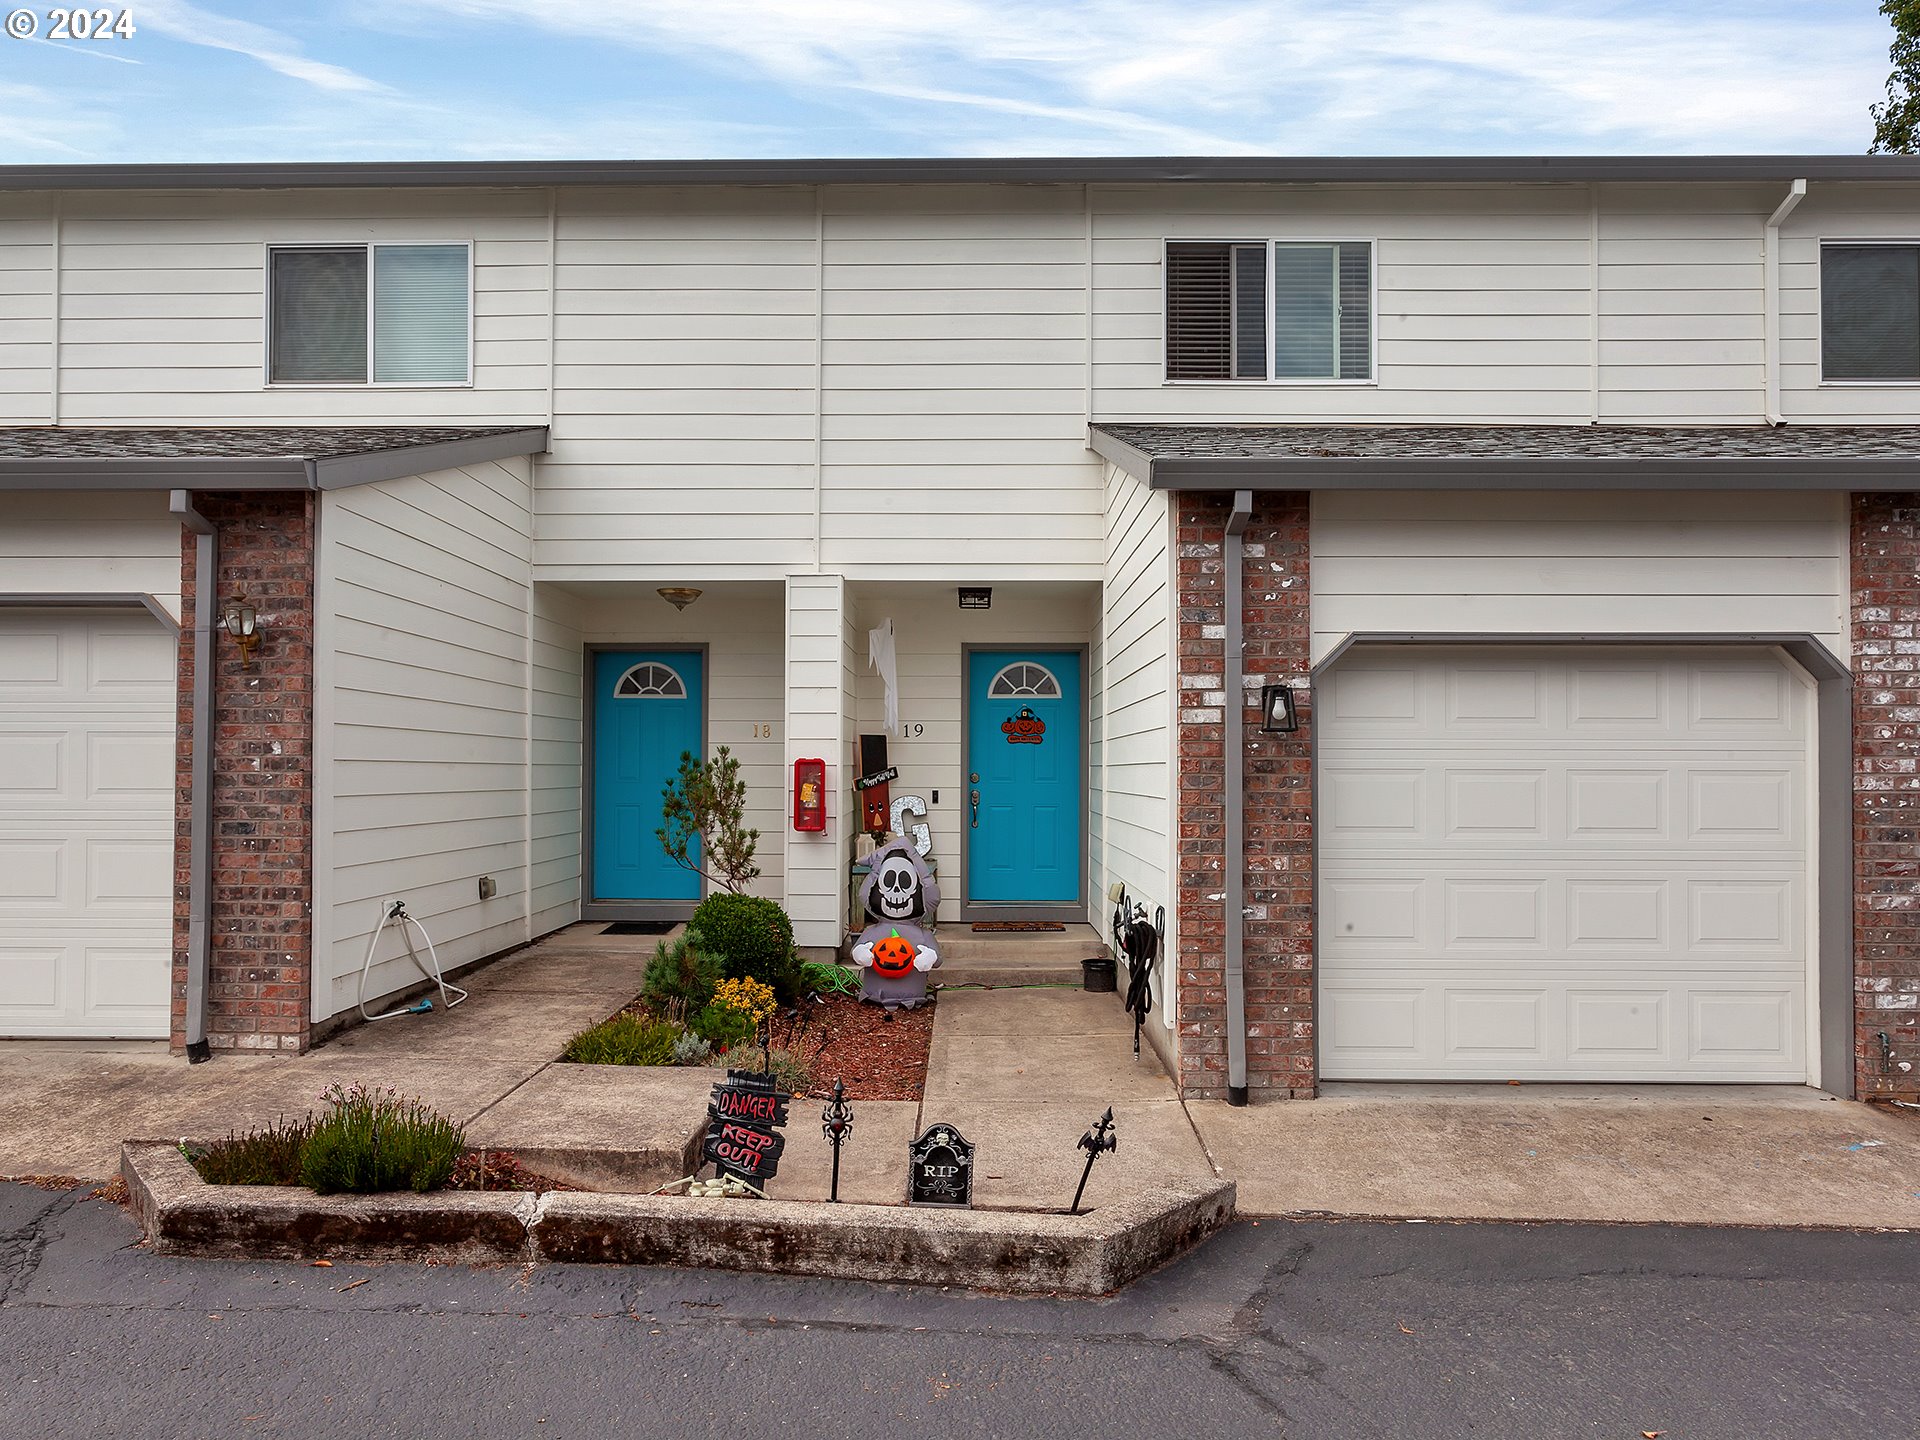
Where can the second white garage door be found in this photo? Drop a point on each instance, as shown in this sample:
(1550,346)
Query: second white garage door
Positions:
(86,823)
(1563,864)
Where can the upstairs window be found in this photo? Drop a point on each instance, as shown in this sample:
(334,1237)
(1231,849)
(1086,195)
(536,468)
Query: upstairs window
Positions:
(360,314)
(1870,312)
(1270,310)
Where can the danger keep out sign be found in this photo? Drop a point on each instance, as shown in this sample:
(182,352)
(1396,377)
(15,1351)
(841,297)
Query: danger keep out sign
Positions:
(743,1117)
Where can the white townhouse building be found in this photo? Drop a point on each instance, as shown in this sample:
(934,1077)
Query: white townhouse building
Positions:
(1475,597)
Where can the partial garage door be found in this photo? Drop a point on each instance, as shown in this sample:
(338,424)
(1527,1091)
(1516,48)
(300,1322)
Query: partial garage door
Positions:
(86,822)
(1563,864)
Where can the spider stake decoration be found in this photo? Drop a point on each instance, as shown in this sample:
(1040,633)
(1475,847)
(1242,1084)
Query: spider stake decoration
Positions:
(1098,1141)
(836,1123)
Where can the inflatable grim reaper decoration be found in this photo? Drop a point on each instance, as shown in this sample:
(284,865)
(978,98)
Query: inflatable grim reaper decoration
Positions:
(896,950)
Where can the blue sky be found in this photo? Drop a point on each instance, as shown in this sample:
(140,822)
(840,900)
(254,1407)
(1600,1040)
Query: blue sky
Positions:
(607,79)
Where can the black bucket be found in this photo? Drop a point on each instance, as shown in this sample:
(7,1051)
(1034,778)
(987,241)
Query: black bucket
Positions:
(1098,975)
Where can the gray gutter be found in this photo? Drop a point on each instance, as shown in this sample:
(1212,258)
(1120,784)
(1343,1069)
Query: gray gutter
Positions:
(1032,170)
(1233,781)
(1860,473)
(291,472)
(206,604)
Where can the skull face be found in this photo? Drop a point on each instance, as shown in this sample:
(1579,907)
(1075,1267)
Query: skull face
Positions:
(896,889)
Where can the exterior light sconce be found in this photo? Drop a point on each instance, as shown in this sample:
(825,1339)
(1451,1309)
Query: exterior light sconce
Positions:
(976,597)
(242,622)
(678,596)
(1277,715)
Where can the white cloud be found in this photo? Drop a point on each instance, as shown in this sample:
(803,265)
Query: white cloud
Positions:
(1281,74)
(278,52)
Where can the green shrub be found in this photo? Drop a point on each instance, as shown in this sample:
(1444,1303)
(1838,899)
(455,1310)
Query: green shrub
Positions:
(719,1026)
(753,937)
(372,1140)
(624,1040)
(691,1049)
(259,1157)
(683,971)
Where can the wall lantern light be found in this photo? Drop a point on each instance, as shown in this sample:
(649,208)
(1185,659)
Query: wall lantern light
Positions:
(678,596)
(1277,715)
(976,597)
(243,624)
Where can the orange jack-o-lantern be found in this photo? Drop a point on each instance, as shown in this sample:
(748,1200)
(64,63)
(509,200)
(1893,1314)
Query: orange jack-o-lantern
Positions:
(893,956)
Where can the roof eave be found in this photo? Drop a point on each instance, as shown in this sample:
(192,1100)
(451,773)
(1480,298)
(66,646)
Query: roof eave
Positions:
(1141,169)
(216,473)
(1513,473)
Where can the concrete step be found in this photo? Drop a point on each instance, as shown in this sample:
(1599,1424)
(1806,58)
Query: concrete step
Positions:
(1014,957)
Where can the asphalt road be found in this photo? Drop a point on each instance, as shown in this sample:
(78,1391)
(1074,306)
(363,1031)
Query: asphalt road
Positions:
(1312,1330)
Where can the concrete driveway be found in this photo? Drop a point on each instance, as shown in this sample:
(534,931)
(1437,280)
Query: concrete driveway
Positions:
(1700,1155)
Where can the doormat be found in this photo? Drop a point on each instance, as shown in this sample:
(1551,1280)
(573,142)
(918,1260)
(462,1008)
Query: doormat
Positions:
(639,927)
(1018,925)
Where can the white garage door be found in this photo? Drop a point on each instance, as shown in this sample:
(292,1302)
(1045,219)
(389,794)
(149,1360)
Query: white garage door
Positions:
(1563,864)
(86,822)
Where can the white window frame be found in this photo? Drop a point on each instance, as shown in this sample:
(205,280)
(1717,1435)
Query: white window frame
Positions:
(1820,311)
(1305,382)
(267,382)
(678,679)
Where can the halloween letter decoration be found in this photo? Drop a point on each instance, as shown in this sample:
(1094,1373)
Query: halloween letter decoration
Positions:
(896,950)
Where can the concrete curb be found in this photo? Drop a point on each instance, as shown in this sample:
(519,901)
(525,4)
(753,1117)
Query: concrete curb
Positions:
(1015,1252)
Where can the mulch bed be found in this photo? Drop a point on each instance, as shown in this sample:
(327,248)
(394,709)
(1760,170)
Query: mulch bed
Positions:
(879,1054)
(499,1170)
(879,1058)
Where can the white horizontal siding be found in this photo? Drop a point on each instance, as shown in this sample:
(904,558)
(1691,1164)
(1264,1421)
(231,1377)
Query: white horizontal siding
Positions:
(558,760)
(1837,212)
(164,305)
(101,543)
(26,311)
(818,634)
(1583,563)
(448,746)
(1133,827)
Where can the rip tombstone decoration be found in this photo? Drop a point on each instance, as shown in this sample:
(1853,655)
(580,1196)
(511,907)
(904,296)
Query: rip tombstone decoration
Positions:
(940,1169)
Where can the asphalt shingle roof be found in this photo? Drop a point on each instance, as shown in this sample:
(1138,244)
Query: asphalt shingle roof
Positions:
(1520,442)
(264,442)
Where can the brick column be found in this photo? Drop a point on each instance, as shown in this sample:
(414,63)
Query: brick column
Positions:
(1278,958)
(260,969)
(1886,793)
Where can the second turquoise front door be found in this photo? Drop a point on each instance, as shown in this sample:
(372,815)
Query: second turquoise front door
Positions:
(646,714)
(1024,766)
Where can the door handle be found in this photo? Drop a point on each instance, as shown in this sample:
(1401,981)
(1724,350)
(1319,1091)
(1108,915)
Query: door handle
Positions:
(973,799)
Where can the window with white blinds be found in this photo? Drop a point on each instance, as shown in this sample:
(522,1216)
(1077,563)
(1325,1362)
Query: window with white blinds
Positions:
(385,314)
(1270,310)
(1870,312)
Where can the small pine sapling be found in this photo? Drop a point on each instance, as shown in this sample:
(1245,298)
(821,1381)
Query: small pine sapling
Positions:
(703,822)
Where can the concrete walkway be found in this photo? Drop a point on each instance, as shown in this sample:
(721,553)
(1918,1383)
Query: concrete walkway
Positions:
(65,1107)
(1022,1072)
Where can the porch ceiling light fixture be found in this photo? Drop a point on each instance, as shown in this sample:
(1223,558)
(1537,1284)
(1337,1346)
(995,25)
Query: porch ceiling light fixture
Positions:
(1277,715)
(679,596)
(976,597)
(242,622)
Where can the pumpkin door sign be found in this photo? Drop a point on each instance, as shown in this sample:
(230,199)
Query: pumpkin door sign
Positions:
(893,956)
(1026,728)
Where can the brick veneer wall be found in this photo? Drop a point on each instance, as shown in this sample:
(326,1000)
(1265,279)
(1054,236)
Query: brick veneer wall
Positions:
(1886,793)
(258,985)
(1278,952)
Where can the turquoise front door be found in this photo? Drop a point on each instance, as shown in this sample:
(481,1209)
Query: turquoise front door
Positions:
(1023,777)
(646,714)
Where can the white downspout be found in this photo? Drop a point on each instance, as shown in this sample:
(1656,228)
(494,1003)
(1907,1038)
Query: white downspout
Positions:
(1771,253)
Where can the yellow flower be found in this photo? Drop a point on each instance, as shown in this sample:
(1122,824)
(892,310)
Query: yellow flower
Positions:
(750,997)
